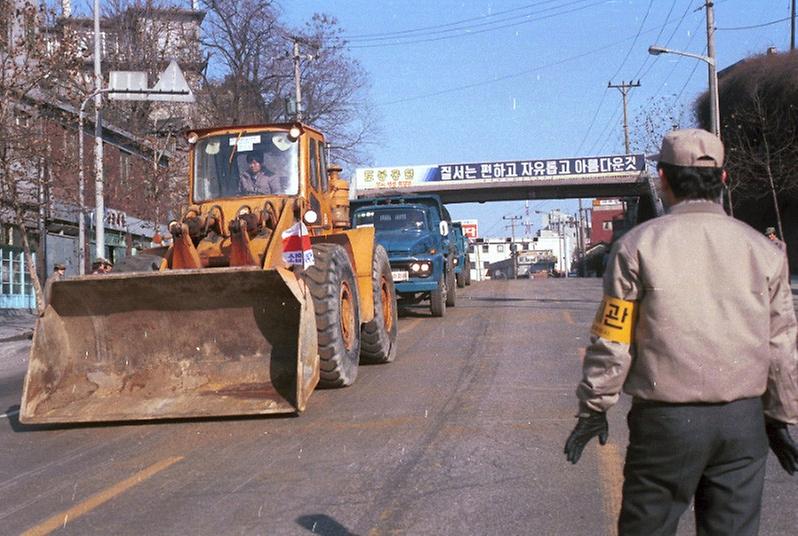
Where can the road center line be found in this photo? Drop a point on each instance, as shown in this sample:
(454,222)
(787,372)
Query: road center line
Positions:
(61,519)
(611,472)
(410,325)
(9,414)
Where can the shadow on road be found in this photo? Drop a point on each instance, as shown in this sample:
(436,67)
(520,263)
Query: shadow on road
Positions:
(19,427)
(324,525)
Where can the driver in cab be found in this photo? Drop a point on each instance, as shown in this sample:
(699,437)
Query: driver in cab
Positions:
(257,179)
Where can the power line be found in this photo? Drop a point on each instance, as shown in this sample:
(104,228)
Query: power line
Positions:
(634,42)
(603,96)
(593,50)
(437,27)
(471,33)
(771,23)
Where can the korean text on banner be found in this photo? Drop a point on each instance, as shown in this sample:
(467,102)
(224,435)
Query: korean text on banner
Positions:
(296,246)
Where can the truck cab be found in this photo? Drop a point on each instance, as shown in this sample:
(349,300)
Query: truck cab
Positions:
(416,231)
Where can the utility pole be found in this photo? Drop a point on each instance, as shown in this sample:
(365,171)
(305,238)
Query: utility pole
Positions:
(624,88)
(99,203)
(297,57)
(297,84)
(513,254)
(580,241)
(714,107)
(792,26)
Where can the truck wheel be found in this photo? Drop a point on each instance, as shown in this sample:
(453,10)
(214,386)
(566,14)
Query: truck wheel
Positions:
(332,285)
(451,287)
(467,271)
(437,299)
(378,337)
(461,278)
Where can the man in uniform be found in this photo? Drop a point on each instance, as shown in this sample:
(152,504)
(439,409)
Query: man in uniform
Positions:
(697,325)
(101,265)
(58,274)
(770,232)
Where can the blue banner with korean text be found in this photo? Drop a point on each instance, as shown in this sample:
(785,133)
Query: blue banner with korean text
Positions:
(400,177)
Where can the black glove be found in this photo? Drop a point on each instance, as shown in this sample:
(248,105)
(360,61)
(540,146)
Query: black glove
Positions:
(587,427)
(782,445)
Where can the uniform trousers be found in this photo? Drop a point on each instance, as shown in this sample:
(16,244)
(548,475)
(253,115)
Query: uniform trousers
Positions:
(715,453)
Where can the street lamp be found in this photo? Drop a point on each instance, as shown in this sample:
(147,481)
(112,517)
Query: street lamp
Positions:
(714,106)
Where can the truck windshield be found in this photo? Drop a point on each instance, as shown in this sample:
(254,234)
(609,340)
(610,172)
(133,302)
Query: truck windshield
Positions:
(246,164)
(392,219)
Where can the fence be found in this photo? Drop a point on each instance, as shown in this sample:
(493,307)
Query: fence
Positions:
(16,289)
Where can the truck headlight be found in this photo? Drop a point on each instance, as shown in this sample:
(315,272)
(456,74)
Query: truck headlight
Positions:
(456,260)
(420,267)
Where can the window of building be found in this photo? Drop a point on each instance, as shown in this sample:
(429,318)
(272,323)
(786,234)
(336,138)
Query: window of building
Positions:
(485,248)
(606,225)
(485,264)
(124,168)
(471,249)
(500,248)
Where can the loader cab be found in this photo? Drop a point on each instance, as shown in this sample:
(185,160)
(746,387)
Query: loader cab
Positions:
(244,163)
(318,181)
(279,160)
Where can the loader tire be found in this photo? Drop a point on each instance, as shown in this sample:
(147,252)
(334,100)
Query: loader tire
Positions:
(378,337)
(467,270)
(437,299)
(451,288)
(332,284)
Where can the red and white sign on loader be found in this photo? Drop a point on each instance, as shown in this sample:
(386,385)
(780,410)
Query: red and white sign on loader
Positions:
(296,246)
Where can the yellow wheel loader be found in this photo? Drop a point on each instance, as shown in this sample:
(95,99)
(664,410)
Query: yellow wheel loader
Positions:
(264,292)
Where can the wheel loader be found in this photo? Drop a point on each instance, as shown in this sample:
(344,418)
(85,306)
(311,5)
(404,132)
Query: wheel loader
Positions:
(264,293)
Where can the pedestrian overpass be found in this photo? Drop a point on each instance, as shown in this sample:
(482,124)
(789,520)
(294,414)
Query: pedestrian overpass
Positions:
(562,178)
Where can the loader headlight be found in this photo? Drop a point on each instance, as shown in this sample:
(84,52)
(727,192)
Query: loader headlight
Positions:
(311,217)
(294,133)
(192,137)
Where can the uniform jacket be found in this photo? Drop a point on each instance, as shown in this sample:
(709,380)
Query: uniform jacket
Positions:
(715,318)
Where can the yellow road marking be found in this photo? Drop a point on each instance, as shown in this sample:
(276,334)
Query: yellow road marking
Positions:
(61,519)
(410,325)
(568,318)
(611,472)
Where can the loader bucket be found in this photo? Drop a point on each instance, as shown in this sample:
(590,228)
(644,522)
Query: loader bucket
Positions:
(172,344)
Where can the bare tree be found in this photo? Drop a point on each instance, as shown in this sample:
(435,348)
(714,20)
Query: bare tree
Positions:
(759,125)
(653,120)
(31,68)
(251,74)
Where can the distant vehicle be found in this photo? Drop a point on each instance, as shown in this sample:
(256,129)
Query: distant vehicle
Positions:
(462,264)
(416,232)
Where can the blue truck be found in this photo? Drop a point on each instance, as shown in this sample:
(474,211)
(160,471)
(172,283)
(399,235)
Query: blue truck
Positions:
(416,231)
(462,264)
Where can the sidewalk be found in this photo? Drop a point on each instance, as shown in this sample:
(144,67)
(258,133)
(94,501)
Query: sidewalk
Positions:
(16,325)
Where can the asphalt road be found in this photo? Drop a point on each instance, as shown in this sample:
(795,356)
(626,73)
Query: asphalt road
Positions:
(462,434)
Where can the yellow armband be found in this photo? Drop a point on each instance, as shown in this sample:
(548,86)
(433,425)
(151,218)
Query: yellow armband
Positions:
(614,320)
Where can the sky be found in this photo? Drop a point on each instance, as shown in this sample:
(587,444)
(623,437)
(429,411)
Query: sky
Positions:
(481,81)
